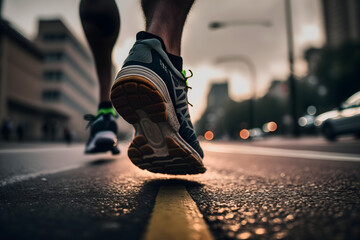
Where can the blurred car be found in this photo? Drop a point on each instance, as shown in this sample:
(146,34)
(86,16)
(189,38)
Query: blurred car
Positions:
(307,124)
(344,120)
(256,133)
(306,121)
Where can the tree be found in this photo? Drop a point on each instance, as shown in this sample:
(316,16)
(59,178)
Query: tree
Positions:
(338,70)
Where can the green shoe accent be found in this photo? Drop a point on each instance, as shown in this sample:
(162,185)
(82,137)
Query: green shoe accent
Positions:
(183,73)
(187,86)
(106,111)
(186,78)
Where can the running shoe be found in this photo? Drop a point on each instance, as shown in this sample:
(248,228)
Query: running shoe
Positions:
(151,94)
(103,132)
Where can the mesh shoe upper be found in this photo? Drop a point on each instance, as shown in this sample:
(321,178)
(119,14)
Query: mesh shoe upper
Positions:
(102,122)
(151,53)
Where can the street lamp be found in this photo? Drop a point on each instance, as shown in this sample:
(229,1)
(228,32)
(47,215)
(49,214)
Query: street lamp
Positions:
(251,66)
(222,24)
(290,43)
(292,83)
(241,58)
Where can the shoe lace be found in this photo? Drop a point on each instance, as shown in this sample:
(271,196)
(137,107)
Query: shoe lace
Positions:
(187,87)
(90,118)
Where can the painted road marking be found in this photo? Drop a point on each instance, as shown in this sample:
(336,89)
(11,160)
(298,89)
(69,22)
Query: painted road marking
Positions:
(22,164)
(176,216)
(280,152)
(24,177)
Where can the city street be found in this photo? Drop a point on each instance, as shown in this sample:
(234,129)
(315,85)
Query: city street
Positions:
(266,189)
(272,88)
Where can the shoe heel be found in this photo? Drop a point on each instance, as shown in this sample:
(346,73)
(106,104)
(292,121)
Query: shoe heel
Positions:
(132,93)
(104,144)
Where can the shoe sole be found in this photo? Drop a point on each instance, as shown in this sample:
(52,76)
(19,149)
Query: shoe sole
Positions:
(157,146)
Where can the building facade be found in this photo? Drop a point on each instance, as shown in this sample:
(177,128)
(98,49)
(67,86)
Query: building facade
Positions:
(21,83)
(69,80)
(342,21)
(218,96)
(46,85)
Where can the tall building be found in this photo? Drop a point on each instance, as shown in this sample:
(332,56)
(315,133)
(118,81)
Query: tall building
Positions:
(69,83)
(342,21)
(21,82)
(46,85)
(218,96)
(1,4)
(278,90)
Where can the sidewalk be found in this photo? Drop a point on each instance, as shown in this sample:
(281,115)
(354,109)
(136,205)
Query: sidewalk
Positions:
(35,144)
(300,140)
(311,143)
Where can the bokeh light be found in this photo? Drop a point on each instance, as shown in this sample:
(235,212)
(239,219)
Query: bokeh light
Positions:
(311,110)
(302,121)
(265,128)
(272,126)
(209,135)
(244,134)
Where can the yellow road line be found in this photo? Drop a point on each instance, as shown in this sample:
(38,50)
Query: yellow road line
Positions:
(176,216)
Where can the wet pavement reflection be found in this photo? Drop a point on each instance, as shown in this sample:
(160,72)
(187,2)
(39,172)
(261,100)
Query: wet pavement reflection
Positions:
(240,197)
(238,204)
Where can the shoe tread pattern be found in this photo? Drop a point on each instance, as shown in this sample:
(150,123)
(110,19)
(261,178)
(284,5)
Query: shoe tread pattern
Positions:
(133,93)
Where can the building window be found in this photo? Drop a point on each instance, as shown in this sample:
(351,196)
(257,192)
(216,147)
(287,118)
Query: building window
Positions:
(53,76)
(54,37)
(62,37)
(54,56)
(61,56)
(51,95)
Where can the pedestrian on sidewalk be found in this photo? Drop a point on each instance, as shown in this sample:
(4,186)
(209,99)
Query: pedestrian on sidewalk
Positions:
(20,132)
(6,129)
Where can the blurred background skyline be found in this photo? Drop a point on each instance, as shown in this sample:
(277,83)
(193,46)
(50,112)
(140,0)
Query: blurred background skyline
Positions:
(266,46)
(244,61)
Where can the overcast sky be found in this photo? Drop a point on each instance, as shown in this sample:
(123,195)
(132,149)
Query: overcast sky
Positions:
(265,46)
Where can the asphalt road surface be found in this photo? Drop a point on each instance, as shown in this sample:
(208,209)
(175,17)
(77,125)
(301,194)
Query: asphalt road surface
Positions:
(269,189)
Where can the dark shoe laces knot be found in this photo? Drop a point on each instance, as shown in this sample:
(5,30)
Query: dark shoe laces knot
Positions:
(90,118)
(103,111)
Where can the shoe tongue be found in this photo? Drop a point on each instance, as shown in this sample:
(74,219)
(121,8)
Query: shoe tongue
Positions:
(175,60)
